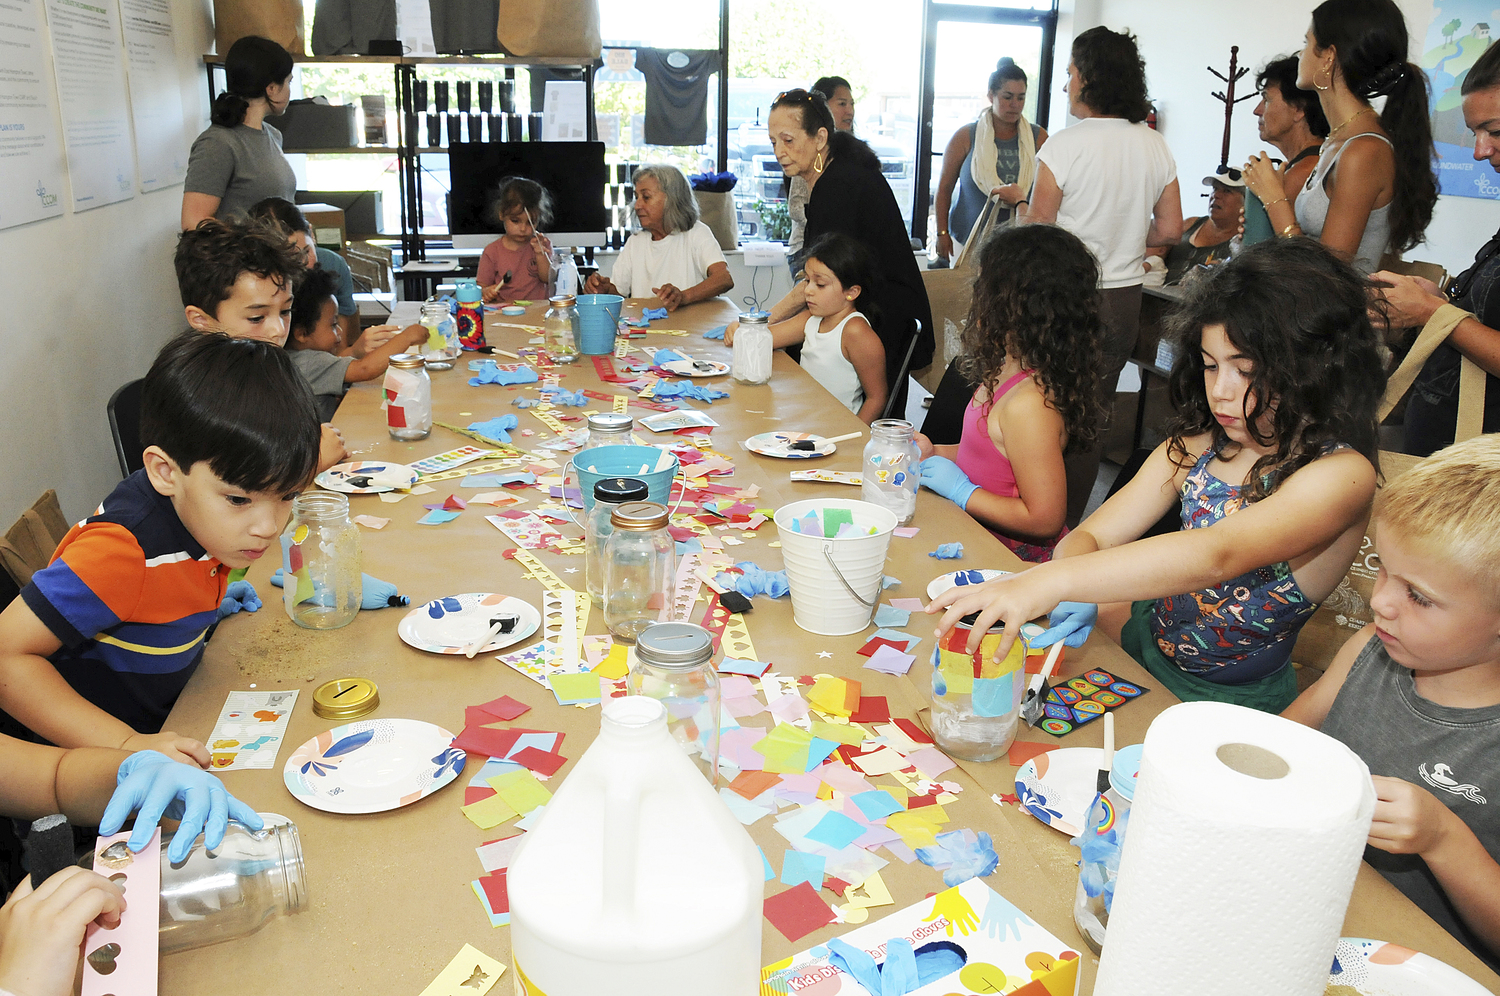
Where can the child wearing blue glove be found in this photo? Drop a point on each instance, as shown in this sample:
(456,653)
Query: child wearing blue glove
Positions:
(1272,461)
(41,931)
(1031,343)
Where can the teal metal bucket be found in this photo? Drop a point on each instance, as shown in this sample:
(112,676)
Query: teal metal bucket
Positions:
(601,462)
(598,317)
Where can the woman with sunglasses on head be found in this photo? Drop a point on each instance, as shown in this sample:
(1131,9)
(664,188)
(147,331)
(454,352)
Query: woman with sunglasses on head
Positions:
(848,194)
(1381,198)
(1206,240)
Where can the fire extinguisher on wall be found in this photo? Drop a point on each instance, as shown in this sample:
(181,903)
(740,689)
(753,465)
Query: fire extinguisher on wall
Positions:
(1151,117)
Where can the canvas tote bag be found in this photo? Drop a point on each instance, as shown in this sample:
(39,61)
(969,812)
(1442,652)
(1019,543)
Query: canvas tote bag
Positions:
(557,28)
(949,293)
(1347,610)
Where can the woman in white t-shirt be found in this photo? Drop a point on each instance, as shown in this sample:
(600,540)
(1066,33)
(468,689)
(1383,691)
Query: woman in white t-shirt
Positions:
(1110,180)
(674,256)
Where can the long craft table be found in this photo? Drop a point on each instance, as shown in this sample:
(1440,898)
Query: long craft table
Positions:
(389,900)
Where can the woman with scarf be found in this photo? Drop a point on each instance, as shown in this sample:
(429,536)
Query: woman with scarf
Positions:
(996,155)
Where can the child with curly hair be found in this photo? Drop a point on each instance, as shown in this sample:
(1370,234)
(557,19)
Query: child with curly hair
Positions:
(1031,342)
(1273,462)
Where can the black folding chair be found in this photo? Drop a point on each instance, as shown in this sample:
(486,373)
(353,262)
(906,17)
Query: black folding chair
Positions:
(125,425)
(896,392)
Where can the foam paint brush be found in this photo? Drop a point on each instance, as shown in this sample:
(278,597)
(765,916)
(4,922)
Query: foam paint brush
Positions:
(1036,695)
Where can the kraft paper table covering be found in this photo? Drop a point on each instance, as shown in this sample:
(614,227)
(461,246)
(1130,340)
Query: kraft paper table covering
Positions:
(389,897)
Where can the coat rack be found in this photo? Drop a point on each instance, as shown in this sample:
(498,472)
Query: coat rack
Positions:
(1228,98)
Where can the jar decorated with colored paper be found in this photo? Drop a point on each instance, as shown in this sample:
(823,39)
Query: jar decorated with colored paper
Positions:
(442,345)
(890,476)
(976,700)
(321,583)
(1099,847)
(408,398)
(470,315)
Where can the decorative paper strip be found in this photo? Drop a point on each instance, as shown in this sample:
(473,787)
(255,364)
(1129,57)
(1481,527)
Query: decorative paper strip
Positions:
(685,592)
(560,627)
(124,961)
(550,422)
(489,466)
(731,635)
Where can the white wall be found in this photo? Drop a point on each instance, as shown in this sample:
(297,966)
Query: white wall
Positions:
(90,298)
(1179,39)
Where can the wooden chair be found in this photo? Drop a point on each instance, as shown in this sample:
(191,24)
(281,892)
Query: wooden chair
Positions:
(29,544)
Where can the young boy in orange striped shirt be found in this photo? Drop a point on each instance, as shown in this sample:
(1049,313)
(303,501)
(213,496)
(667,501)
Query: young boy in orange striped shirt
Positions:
(101,642)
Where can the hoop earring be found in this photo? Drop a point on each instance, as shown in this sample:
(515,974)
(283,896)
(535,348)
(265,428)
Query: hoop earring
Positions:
(1326,69)
(818,163)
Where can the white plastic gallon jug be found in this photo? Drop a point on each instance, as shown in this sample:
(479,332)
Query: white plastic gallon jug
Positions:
(637,880)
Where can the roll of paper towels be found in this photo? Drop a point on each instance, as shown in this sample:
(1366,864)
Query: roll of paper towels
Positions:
(1245,836)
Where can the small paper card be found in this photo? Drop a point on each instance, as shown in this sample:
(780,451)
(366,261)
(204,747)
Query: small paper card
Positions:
(685,418)
(528,530)
(470,973)
(249,730)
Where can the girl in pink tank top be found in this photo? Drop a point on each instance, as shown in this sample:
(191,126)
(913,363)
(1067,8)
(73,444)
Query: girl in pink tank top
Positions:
(1031,343)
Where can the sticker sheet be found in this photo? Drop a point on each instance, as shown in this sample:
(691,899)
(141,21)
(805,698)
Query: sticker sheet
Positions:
(528,531)
(249,730)
(1073,702)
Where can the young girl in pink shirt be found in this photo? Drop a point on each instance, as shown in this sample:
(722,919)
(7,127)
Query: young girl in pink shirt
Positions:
(517,265)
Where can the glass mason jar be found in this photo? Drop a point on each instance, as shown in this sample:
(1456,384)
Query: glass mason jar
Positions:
(442,345)
(214,896)
(640,568)
(321,586)
(1099,845)
(608,495)
(609,429)
(890,475)
(976,701)
(560,328)
(672,663)
(408,397)
(751,363)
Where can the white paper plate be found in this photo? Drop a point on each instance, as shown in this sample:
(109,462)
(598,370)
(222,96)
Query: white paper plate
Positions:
(372,765)
(447,625)
(696,368)
(1377,968)
(943,582)
(779,444)
(366,477)
(1059,786)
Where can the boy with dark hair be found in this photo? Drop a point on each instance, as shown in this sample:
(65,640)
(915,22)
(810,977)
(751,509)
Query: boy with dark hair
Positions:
(316,344)
(1416,694)
(237,278)
(289,218)
(101,642)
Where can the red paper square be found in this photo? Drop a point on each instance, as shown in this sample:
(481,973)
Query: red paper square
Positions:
(505,708)
(477,716)
(918,801)
(496,890)
(482,740)
(752,783)
(872,709)
(476,793)
(539,760)
(913,731)
(876,642)
(1022,751)
(798,911)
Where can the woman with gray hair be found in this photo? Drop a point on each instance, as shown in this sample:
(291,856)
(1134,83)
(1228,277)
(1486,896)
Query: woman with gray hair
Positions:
(674,256)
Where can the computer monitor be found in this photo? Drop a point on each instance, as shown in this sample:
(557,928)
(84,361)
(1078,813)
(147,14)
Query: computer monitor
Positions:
(574,174)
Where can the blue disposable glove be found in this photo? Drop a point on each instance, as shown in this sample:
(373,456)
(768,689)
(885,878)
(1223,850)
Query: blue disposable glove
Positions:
(1070,622)
(946,478)
(374,593)
(152,785)
(239,595)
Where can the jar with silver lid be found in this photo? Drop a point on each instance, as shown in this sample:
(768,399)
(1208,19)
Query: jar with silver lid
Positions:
(751,363)
(408,397)
(560,328)
(640,568)
(609,429)
(672,662)
(609,494)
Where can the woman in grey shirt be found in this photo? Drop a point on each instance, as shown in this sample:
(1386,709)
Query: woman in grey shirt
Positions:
(238,161)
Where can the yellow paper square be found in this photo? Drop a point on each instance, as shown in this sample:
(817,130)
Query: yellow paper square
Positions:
(914,828)
(470,971)
(489,812)
(616,663)
(830,695)
(520,790)
(825,792)
(849,733)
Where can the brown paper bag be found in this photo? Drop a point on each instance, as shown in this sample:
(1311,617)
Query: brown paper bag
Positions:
(716,208)
(278,20)
(30,543)
(949,293)
(552,28)
(1347,609)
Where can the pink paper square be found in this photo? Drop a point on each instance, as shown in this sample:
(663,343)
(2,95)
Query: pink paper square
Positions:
(908,604)
(930,761)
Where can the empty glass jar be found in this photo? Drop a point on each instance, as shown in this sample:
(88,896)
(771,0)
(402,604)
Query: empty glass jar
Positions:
(214,896)
(672,663)
(640,568)
(609,494)
(560,328)
(890,475)
(321,585)
(609,429)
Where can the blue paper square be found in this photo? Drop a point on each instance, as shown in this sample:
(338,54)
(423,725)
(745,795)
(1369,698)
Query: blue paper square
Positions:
(877,804)
(836,830)
(798,867)
(818,751)
(770,874)
(889,615)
